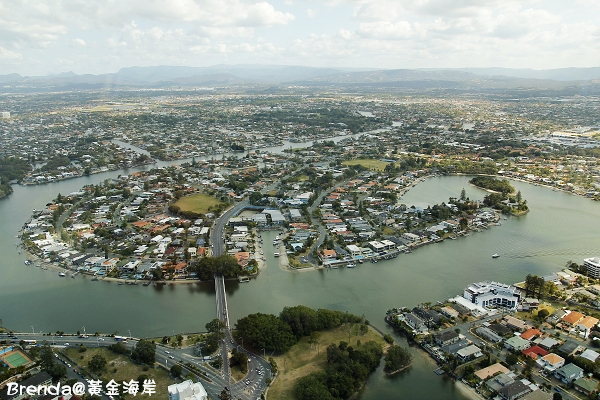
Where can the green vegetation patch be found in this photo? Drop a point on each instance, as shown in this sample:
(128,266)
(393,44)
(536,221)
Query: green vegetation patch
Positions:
(200,203)
(120,368)
(306,357)
(367,163)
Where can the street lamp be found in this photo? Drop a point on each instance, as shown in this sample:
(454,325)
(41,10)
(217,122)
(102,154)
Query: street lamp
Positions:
(32,330)
(264,355)
(53,340)
(98,342)
(83,327)
(128,331)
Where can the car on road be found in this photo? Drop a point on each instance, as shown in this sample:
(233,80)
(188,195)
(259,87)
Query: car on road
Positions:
(167,352)
(171,357)
(66,344)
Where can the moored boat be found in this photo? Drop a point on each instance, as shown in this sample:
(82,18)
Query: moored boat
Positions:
(495,255)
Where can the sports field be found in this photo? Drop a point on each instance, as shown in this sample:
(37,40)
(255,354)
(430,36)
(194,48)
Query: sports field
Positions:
(15,359)
(367,163)
(199,203)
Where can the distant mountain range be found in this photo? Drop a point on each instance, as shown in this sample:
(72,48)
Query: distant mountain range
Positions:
(227,75)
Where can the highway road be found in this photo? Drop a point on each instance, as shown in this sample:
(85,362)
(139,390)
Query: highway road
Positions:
(254,383)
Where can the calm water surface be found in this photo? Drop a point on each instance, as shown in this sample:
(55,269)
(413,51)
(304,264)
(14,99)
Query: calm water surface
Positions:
(559,228)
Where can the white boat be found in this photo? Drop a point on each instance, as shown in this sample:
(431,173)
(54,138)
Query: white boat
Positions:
(495,255)
(62,274)
(27,262)
(276,237)
(276,254)
(351,265)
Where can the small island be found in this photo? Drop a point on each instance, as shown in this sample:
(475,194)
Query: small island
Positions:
(502,197)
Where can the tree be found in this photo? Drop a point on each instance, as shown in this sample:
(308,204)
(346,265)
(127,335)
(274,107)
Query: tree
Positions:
(49,364)
(144,352)
(97,363)
(224,395)
(512,359)
(266,331)
(557,396)
(543,314)
(397,357)
(176,370)
(463,194)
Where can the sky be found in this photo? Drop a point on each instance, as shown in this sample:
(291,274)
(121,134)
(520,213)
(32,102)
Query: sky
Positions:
(40,37)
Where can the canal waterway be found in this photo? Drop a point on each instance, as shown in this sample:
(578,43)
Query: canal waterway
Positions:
(560,227)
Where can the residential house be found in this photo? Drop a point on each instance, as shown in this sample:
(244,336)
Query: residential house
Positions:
(585,325)
(551,362)
(590,355)
(515,343)
(586,386)
(568,373)
(516,324)
(531,333)
(449,312)
(514,390)
(535,352)
(572,318)
(469,352)
(492,370)
(446,338)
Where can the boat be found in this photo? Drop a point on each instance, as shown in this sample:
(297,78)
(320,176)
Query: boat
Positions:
(38,265)
(276,237)
(27,262)
(276,254)
(495,255)
(334,267)
(351,265)
(360,261)
(62,274)
(243,279)
(121,283)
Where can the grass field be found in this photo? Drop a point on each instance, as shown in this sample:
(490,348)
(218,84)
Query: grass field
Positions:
(120,368)
(367,163)
(303,358)
(198,203)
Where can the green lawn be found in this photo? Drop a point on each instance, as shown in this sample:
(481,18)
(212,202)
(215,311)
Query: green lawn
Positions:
(304,358)
(367,163)
(120,368)
(199,203)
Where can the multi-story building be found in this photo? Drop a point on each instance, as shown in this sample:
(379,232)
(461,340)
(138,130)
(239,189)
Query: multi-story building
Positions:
(593,267)
(493,294)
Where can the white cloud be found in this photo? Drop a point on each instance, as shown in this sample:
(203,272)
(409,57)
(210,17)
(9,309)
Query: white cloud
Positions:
(7,54)
(310,13)
(79,42)
(385,30)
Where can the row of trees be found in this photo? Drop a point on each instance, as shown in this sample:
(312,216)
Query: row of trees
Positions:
(497,185)
(207,267)
(279,333)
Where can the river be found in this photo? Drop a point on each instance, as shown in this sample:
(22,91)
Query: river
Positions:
(560,227)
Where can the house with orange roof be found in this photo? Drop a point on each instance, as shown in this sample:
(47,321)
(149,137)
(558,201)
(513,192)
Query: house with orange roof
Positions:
(181,268)
(572,318)
(585,325)
(531,333)
(328,254)
(201,251)
(242,258)
(551,362)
